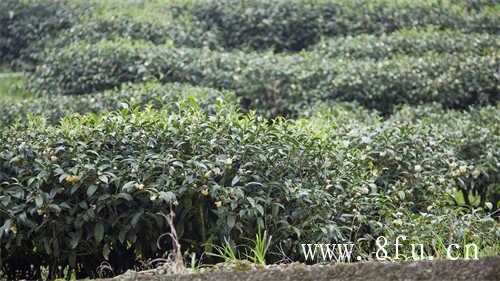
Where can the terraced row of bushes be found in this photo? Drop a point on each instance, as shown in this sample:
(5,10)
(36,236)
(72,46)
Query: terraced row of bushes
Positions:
(275,84)
(30,26)
(180,31)
(95,187)
(155,95)
(90,166)
(475,140)
(475,4)
(24,24)
(412,42)
(294,25)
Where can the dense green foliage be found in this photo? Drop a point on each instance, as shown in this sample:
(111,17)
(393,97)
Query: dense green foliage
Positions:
(295,24)
(180,31)
(407,42)
(54,108)
(24,24)
(95,187)
(29,26)
(275,84)
(137,108)
(12,87)
(474,138)
(476,4)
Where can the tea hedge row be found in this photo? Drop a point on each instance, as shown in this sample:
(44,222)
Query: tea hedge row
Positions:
(24,24)
(183,33)
(294,25)
(475,140)
(476,4)
(180,31)
(28,26)
(275,84)
(94,188)
(412,42)
(471,136)
(155,95)
(191,29)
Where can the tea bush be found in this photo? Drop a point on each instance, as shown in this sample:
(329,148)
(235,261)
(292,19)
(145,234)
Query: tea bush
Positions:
(294,25)
(30,26)
(112,142)
(275,84)
(24,23)
(475,141)
(94,187)
(180,31)
(476,4)
(55,108)
(412,42)
(102,181)
(470,139)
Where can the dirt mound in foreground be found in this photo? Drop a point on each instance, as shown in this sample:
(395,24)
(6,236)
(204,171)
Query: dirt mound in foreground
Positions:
(483,269)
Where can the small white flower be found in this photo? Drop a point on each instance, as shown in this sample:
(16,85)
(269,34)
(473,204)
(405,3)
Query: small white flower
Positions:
(139,186)
(462,169)
(476,173)
(418,168)
(364,190)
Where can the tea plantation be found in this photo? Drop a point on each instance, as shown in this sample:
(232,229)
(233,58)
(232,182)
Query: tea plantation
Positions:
(325,121)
